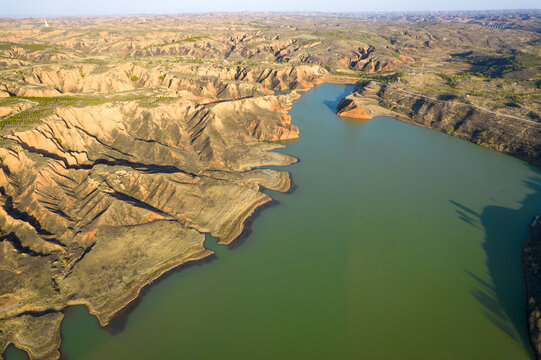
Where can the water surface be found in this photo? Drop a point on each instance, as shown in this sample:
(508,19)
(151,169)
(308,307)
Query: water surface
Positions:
(398,243)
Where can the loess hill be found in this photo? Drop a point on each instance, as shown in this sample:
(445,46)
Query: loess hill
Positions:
(124,141)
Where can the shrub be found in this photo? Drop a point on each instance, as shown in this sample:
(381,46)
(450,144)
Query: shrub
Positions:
(450,79)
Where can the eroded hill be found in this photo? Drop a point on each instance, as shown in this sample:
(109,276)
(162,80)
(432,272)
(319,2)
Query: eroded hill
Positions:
(125,140)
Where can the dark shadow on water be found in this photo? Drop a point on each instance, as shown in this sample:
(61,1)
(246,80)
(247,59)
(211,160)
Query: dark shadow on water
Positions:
(292,185)
(505,231)
(486,295)
(464,208)
(331,104)
(118,324)
(466,214)
(247,231)
(467,218)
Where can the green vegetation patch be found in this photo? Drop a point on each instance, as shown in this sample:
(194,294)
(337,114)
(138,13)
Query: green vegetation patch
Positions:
(28,47)
(259,25)
(44,108)
(451,79)
(190,39)
(155,101)
(365,38)
(383,78)
(497,65)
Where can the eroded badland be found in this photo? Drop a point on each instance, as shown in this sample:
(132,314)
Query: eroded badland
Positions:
(125,140)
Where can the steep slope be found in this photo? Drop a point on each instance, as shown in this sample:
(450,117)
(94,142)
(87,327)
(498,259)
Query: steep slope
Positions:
(98,201)
(508,134)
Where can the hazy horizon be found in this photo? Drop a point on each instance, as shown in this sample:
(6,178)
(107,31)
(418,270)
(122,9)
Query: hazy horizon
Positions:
(62,8)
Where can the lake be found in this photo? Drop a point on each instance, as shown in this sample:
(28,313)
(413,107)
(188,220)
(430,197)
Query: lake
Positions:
(397,242)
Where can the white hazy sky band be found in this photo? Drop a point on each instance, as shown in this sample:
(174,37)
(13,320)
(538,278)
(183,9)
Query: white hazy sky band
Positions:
(25,8)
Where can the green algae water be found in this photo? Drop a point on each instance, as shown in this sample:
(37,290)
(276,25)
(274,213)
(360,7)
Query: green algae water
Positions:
(397,243)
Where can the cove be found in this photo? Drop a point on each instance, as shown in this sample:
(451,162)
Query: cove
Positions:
(397,243)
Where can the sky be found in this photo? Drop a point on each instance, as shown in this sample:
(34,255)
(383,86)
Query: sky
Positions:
(51,8)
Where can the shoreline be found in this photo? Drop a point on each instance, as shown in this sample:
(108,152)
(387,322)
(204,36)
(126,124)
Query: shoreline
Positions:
(237,227)
(118,321)
(340,80)
(531,248)
(490,130)
(115,321)
(130,155)
(531,253)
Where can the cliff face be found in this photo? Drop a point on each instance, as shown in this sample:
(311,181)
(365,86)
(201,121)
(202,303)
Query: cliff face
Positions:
(83,192)
(366,59)
(348,107)
(509,135)
(300,78)
(531,253)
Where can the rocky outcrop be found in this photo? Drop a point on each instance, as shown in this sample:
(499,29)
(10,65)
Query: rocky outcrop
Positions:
(347,107)
(15,108)
(196,82)
(212,88)
(366,59)
(97,202)
(53,81)
(507,134)
(277,49)
(302,77)
(20,53)
(202,48)
(531,254)
(363,104)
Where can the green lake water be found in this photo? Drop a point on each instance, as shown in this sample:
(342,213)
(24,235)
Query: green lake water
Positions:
(397,243)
